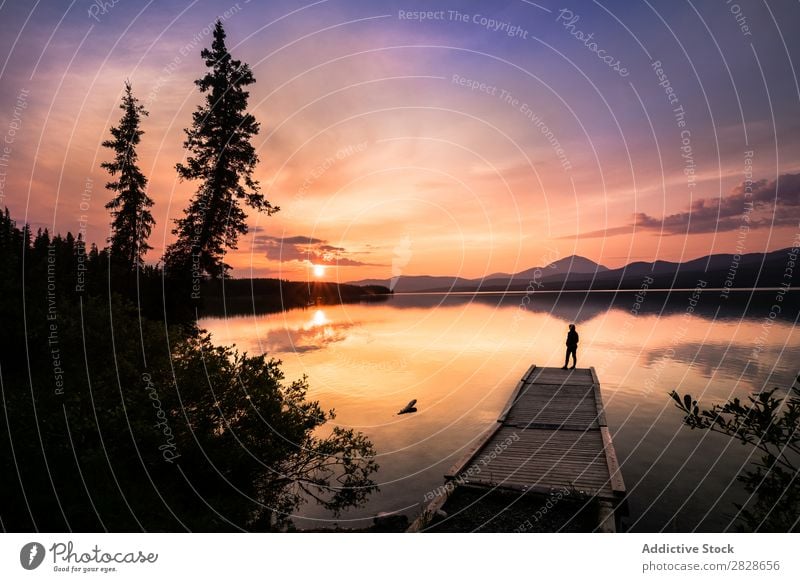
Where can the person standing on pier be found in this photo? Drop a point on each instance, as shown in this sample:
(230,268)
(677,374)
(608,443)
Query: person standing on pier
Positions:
(572,347)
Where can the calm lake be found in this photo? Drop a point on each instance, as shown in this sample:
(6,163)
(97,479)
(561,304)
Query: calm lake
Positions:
(460,356)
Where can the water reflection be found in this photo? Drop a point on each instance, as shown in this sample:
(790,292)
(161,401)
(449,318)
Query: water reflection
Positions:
(300,337)
(729,360)
(460,357)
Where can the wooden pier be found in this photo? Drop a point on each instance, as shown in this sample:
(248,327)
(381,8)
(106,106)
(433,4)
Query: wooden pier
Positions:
(551,436)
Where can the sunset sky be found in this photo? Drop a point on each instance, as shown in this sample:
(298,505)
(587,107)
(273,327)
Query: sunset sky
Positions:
(493,136)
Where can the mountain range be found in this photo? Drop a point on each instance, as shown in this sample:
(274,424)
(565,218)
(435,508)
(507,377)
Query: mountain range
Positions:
(576,272)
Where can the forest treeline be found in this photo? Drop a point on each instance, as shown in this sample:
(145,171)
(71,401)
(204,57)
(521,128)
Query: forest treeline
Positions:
(120,414)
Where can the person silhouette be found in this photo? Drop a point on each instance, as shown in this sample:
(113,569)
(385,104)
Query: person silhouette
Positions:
(572,346)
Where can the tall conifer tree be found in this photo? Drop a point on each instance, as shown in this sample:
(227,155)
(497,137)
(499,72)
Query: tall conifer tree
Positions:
(222,158)
(132,222)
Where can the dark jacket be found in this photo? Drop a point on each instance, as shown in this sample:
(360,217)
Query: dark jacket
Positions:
(572,339)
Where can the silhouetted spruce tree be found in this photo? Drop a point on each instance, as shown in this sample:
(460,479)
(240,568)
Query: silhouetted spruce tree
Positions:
(223,159)
(132,221)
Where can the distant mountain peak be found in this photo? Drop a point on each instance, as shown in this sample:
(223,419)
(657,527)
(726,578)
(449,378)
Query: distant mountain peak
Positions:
(575,264)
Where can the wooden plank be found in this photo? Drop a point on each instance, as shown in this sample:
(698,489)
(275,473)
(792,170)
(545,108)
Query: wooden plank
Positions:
(588,468)
(559,380)
(585,405)
(547,479)
(592,488)
(567,391)
(559,376)
(601,411)
(535,488)
(554,425)
(617,484)
(526,457)
(549,473)
(521,488)
(554,458)
(552,463)
(534,439)
(553,405)
(548,379)
(565,421)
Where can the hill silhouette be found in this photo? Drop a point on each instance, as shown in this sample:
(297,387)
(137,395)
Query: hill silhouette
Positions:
(576,272)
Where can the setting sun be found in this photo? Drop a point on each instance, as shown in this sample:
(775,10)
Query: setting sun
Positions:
(319,270)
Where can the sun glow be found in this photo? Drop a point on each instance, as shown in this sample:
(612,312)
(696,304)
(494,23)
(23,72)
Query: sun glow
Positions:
(319,271)
(319,319)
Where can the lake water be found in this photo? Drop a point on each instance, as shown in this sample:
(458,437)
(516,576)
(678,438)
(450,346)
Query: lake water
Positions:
(460,356)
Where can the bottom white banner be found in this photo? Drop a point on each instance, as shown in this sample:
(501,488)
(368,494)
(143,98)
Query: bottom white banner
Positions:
(354,557)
